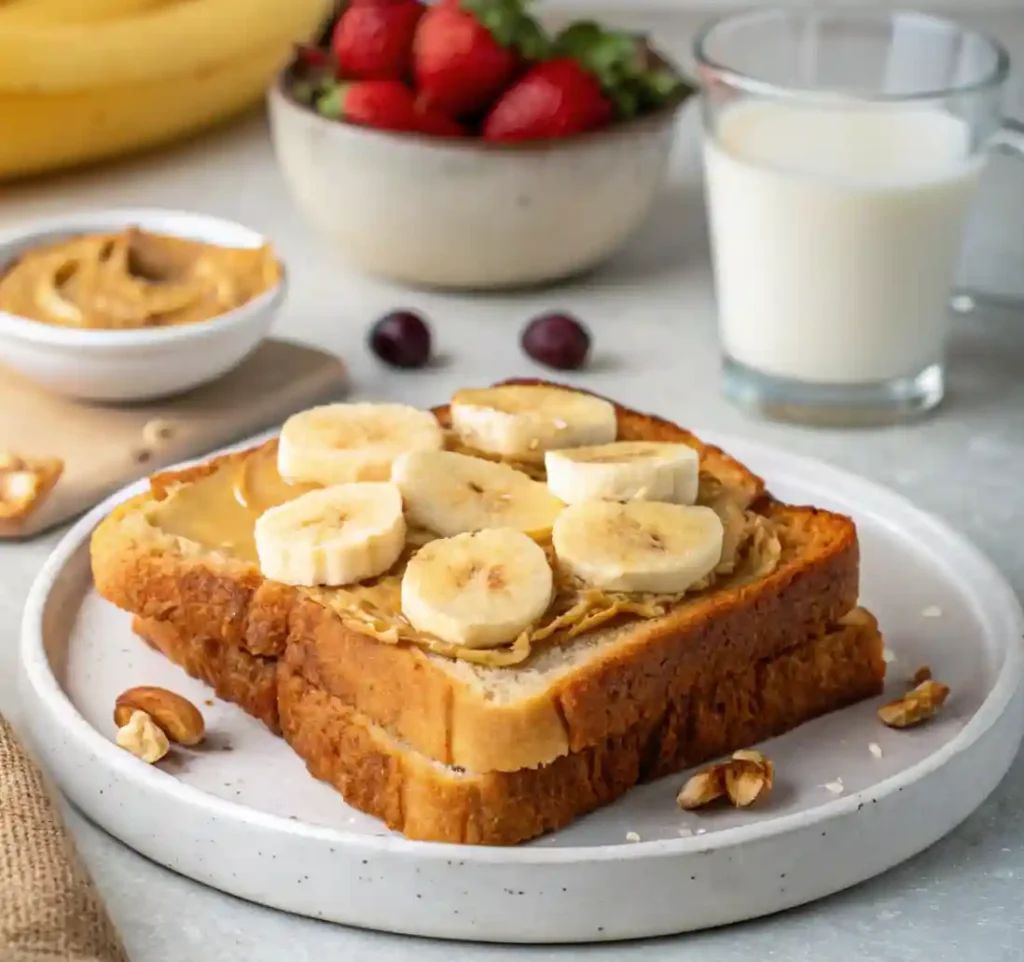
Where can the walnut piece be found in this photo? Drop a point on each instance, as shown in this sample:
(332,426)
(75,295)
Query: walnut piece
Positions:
(176,716)
(746,778)
(916,706)
(143,738)
(24,484)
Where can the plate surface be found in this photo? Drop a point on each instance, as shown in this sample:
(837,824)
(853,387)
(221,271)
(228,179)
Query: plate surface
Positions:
(852,799)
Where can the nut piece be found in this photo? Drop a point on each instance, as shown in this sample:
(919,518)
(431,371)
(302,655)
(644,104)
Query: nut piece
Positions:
(923,673)
(176,716)
(745,779)
(707,786)
(24,484)
(156,432)
(748,777)
(143,738)
(917,705)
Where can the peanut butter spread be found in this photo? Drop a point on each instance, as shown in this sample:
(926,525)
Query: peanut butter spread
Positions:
(219,511)
(134,279)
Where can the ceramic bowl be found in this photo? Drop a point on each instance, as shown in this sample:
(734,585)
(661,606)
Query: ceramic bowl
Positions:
(467,214)
(141,364)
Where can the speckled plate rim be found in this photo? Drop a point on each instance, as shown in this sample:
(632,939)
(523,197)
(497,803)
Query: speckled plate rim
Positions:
(986,584)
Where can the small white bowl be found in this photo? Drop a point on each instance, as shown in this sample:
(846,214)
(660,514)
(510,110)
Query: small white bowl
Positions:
(141,364)
(465,214)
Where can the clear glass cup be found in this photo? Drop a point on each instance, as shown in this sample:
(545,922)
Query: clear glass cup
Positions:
(842,150)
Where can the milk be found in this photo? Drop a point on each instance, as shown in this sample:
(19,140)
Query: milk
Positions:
(835,234)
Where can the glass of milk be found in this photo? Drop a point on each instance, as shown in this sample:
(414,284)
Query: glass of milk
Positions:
(842,150)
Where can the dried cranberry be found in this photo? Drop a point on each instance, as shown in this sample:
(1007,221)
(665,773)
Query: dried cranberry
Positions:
(557,340)
(401,339)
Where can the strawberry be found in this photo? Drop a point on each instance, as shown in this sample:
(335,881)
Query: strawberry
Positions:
(436,122)
(557,98)
(595,76)
(386,105)
(466,52)
(632,75)
(373,41)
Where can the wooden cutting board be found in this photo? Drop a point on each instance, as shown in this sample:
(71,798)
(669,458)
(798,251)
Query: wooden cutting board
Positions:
(105,447)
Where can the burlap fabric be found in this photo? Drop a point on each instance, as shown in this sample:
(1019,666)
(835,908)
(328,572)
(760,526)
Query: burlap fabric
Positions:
(49,909)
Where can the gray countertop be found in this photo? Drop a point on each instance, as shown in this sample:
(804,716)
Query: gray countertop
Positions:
(652,316)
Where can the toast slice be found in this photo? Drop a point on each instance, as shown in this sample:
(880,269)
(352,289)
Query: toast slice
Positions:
(564,698)
(244,679)
(415,795)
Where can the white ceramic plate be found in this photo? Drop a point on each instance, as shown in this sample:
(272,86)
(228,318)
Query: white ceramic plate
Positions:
(251,822)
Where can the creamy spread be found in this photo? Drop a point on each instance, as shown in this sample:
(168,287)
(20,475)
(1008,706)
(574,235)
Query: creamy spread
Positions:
(219,511)
(134,279)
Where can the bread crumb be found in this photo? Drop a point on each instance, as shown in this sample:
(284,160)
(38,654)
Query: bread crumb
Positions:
(632,837)
(685,832)
(921,675)
(836,788)
(875,749)
(932,611)
(888,656)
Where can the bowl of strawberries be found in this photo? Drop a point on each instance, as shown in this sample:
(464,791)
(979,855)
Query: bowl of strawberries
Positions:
(459,145)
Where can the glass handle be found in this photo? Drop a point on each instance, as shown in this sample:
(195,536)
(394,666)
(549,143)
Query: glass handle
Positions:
(1010,139)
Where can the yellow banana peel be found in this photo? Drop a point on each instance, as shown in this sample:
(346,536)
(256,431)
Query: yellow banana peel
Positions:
(143,73)
(183,37)
(46,132)
(38,12)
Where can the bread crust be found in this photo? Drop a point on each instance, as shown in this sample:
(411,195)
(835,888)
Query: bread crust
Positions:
(413,694)
(425,801)
(408,692)
(237,676)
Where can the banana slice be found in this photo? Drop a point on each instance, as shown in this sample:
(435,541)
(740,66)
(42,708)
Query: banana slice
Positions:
(477,590)
(625,471)
(450,493)
(522,421)
(339,443)
(334,536)
(638,546)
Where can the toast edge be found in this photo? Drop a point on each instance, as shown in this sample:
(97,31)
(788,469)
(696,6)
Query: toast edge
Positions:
(424,801)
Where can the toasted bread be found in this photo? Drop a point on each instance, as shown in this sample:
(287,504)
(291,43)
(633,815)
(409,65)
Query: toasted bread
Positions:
(563,699)
(246,680)
(379,774)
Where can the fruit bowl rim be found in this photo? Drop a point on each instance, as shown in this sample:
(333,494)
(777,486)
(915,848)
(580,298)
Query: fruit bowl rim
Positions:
(665,115)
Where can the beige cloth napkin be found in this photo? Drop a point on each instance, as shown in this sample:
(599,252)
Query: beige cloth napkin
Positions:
(49,909)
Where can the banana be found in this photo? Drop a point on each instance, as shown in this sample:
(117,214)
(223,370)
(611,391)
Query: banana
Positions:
(49,132)
(624,471)
(645,546)
(48,126)
(338,443)
(175,40)
(334,536)
(39,12)
(478,590)
(521,421)
(450,493)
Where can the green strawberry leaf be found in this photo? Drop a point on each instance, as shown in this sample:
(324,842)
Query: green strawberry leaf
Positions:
(304,92)
(330,103)
(634,78)
(511,26)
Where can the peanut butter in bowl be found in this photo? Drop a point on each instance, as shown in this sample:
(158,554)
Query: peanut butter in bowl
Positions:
(133,279)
